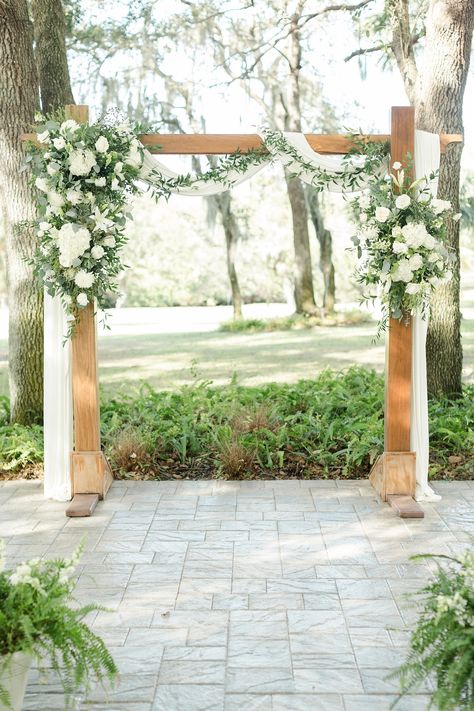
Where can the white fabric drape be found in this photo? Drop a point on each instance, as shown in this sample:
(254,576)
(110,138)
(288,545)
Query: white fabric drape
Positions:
(427,157)
(58,436)
(58,433)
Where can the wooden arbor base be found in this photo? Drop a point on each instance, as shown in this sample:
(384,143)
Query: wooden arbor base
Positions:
(393,477)
(91,480)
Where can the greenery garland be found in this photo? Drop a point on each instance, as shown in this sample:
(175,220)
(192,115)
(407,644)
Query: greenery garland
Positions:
(84,175)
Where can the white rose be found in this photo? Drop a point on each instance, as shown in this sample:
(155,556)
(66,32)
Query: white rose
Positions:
(412,288)
(83,279)
(102,145)
(67,299)
(74,196)
(100,182)
(399,247)
(97,252)
(397,165)
(363,217)
(382,214)
(59,143)
(402,271)
(416,261)
(69,125)
(115,185)
(440,206)
(82,299)
(43,137)
(364,202)
(118,167)
(42,184)
(81,162)
(109,242)
(53,168)
(402,202)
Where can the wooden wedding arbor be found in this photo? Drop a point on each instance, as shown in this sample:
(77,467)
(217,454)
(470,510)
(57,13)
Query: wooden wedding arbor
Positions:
(393,474)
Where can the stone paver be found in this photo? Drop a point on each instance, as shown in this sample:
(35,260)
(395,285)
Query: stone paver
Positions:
(256,596)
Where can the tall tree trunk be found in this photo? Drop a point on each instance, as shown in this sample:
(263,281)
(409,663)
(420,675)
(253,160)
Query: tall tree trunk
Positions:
(439,104)
(324,238)
(231,231)
(437,92)
(304,290)
(18,102)
(51,57)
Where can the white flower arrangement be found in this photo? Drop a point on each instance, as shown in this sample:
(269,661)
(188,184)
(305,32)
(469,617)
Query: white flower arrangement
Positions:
(400,243)
(83,181)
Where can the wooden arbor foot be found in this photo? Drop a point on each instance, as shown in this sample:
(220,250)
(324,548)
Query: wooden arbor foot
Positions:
(393,477)
(91,479)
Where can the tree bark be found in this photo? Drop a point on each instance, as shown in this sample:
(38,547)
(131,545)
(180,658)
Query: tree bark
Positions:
(324,238)
(439,110)
(18,102)
(304,290)
(231,231)
(437,92)
(51,56)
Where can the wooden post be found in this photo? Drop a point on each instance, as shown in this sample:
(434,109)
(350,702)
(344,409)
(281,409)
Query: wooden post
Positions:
(90,472)
(393,474)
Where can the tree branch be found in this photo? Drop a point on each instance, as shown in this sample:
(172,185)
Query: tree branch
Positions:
(367,50)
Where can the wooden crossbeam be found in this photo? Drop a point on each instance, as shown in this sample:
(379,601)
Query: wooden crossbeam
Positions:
(224,143)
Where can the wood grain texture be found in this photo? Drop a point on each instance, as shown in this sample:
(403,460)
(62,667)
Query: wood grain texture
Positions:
(91,473)
(399,347)
(394,473)
(222,143)
(85,384)
(405,506)
(82,505)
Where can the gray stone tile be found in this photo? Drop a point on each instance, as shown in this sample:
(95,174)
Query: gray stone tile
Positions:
(385,703)
(276,601)
(259,680)
(201,672)
(258,624)
(189,697)
(307,702)
(248,702)
(327,681)
(244,652)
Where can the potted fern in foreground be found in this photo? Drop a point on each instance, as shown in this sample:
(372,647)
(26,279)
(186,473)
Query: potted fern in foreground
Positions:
(442,643)
(38,620)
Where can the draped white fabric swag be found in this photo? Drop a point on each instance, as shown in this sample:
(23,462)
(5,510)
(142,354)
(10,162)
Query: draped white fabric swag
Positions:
(58,431)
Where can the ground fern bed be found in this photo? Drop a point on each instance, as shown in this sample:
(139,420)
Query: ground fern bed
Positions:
(330,426)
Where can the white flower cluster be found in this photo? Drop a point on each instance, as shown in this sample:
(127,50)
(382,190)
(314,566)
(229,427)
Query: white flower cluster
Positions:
(401,242)
(457,604)
(25,574)
(84,175)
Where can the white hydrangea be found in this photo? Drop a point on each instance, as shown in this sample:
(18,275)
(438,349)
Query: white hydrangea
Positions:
(82,299)
(56,201)
(109,242)
(118,168)
(100,182)
(42,184)
(402,271)
(364,202)
(415,234)
(81,162)
(83,279)
(97,252)
(102,145)
(382,214)
(72,241)
(402,202)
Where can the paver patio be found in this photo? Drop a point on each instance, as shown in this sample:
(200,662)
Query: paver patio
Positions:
(249,596)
